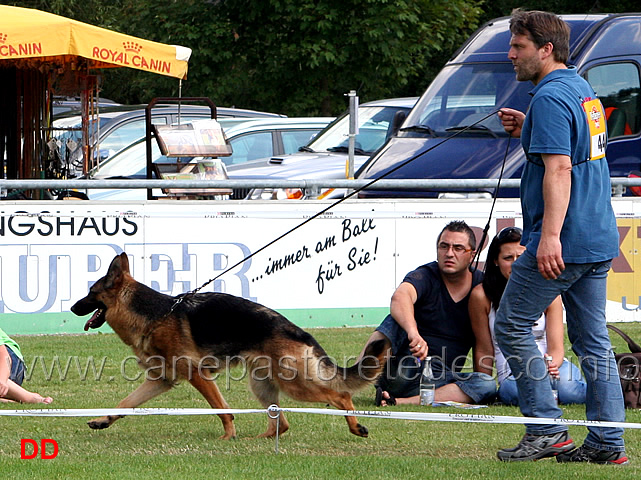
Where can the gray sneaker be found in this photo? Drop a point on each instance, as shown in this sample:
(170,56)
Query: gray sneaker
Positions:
(593,455)
(534,447)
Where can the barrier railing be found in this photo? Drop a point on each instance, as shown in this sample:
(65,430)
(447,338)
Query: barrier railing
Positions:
(384,184)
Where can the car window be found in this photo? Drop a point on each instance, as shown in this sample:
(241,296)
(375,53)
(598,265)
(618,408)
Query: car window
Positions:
(130,132)
(374,123)
(122,136)
(618,87)
(372,133)
(131,162)
(294,139)
(251,146)
(115,140)
(461,95)
(128,162)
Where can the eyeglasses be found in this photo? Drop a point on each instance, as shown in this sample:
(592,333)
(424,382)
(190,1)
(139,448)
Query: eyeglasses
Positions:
(508,231)
(457,248)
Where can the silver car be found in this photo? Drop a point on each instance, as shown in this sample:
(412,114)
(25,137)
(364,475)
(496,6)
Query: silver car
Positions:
(117,127)
(326,155)
(250,139)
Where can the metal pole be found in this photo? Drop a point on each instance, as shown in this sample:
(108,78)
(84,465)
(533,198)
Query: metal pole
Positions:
(353,131)
(180,94)
(273,412)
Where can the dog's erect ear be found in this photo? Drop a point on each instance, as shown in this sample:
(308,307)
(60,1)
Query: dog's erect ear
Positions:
(119,266)
(124,262)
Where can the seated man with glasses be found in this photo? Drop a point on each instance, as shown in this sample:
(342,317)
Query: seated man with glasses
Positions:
(429,316)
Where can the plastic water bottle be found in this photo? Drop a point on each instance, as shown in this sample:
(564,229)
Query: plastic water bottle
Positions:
(554,380)
(427,383)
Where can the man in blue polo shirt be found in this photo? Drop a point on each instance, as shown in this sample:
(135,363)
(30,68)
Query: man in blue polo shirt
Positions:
(570,234)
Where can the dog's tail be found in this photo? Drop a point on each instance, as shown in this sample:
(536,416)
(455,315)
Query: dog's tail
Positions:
(369,368)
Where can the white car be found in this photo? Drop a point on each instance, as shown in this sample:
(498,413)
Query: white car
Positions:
(250,139)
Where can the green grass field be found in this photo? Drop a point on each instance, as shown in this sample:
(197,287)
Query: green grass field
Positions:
(316,446)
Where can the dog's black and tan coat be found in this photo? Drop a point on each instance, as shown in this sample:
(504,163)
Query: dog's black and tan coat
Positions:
(206,331)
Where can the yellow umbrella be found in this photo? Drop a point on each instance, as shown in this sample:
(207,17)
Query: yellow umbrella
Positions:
(28,35)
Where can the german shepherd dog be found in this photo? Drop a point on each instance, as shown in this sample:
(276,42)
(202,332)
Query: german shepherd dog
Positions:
(204,333)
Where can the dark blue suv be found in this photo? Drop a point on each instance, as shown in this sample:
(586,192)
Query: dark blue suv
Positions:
(479,79)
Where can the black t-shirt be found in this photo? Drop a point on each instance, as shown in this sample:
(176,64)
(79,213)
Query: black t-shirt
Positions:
(444,324)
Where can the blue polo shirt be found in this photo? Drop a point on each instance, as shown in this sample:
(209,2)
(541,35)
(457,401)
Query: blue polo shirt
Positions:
(556,123)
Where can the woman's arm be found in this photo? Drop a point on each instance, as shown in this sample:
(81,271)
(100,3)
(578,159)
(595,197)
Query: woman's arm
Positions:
(554,332)
(479,310)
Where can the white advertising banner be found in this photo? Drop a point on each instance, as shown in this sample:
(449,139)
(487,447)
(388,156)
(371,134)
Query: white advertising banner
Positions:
(340,268)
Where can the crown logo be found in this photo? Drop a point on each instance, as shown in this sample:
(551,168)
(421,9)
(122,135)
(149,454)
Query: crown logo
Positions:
(132,47)
(3,37)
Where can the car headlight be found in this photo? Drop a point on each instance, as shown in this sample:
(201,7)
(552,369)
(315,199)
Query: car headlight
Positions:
(276,194)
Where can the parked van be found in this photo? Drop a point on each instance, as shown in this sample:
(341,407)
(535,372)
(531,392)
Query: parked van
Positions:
(479,79)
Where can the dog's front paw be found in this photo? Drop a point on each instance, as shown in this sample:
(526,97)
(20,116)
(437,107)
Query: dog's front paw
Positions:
(362,430)
(99,423)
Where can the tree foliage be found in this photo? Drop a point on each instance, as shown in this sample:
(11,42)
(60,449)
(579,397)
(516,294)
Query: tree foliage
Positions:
(103,13)
(311,53)
(499,8)
(301,57)
(298,57)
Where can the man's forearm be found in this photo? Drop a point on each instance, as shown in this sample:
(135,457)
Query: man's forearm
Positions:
(557,184)
(403,314)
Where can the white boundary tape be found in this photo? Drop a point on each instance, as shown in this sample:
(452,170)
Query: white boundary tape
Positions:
(100,412)
(274,411)
(461,417)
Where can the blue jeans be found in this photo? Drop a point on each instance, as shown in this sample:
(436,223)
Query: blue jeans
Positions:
(401,377)
(17,368)
(571,386)
(583,290)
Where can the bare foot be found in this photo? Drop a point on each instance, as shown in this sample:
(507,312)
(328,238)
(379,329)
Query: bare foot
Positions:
(389,400)
(37,398)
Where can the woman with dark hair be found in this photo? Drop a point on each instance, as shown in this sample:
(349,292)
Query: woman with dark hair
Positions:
(548,331)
